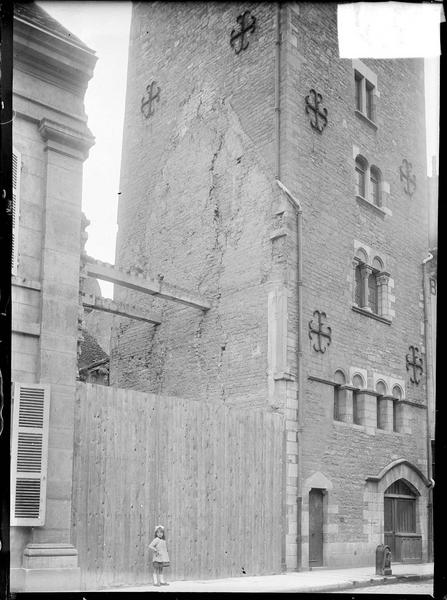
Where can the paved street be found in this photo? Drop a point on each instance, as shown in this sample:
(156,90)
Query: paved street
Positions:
(415,587)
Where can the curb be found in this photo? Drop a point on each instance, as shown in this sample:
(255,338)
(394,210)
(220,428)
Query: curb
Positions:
(359,584)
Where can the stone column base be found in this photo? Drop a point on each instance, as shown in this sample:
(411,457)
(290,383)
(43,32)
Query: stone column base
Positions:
(48,567)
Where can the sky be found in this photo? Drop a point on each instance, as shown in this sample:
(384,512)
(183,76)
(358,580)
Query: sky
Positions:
(104,26)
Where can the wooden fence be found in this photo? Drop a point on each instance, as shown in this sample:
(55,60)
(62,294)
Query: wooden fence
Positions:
(212,475)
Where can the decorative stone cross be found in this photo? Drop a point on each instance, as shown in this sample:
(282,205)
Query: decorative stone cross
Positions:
(319,119)
(245,28)
(147,100)
(410,180)
(414,362)
(320,332)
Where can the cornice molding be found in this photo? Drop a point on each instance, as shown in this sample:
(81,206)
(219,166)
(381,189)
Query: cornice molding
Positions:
(52,58)
(63,139)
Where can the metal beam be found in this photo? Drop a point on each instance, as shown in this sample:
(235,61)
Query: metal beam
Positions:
(120,308)
(136,281)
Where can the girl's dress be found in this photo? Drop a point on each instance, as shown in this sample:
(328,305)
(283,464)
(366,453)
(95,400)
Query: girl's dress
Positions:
(161,556)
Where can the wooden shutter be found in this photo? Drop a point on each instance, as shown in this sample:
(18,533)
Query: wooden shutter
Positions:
(29,453)
(16,166)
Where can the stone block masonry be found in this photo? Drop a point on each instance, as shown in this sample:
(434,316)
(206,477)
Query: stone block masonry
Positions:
(199,207)
(202,219)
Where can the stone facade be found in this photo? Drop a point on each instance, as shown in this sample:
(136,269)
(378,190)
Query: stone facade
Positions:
(200,207)
(51,140)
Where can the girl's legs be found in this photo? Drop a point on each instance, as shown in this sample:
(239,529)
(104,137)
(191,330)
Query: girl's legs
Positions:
(156,575)
(162,577)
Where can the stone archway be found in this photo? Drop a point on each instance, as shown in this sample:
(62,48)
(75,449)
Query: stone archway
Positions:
(412,478)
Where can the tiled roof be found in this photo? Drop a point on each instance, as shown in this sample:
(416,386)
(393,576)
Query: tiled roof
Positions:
(32,13)
(91,351)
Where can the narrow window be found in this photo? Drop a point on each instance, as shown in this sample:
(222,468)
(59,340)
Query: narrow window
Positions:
(369,100)
(374,177)
(381,408)
(372,293)
(397,409)
(358,285)
(360,177)
(355,407)
(357,383)
(339,380)
(358,91)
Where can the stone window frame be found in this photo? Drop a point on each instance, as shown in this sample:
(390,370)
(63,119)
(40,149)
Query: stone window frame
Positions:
(368,264)
(378,202)
(366,93)
(358,407)
(340,395)
(393,405)
(381,403)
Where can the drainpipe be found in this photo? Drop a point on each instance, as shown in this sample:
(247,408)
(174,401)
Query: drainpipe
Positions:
(277,89)
(430,400)
(299,350)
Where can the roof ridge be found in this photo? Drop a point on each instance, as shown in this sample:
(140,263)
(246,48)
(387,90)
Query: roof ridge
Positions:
(35,14)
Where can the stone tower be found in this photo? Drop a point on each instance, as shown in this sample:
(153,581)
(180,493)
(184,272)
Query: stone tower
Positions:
(288,187)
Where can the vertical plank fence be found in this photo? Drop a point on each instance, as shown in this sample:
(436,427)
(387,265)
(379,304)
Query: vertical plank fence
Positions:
(211,474)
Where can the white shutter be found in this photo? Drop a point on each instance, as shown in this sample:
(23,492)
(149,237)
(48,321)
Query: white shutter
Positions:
(16,167)
(29,453)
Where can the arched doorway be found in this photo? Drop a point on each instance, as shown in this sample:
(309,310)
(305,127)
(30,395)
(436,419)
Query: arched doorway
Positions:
(400,522)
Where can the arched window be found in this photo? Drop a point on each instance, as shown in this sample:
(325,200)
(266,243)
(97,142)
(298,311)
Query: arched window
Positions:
(397,408)
(381,407)
(375,183)
(339,380)
(361,259)
(361,167)
(359,285)
(358,384)
(373,291)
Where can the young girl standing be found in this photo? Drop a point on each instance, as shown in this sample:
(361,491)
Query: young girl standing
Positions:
(161,557)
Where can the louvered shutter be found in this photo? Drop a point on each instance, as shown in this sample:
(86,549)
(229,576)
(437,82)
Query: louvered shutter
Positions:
(29,454)
(16,165)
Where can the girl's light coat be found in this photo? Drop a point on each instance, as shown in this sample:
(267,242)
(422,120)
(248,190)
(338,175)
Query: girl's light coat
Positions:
(158,546)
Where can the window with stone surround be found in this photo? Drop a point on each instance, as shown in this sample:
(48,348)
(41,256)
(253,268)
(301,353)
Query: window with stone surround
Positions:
(370,189)
(375,185)
(365,92)
(368,182)
(371,285)
(397,409)
(358,384)
(361,168)
(339,379)
(381,405)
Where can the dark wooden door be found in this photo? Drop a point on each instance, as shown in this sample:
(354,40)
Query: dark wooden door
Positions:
(400,524)
(315,528)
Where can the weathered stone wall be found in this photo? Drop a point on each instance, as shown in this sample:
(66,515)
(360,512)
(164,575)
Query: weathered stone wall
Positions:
(195,203)
(198,206)
(319,169)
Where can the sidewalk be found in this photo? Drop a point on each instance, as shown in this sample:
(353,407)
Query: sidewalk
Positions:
(322,580)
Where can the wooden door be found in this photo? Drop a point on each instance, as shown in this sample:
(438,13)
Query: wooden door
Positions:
(315,528)
(400,524)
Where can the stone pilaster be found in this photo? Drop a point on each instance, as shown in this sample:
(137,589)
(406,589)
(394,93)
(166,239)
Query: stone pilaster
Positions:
(50,560)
